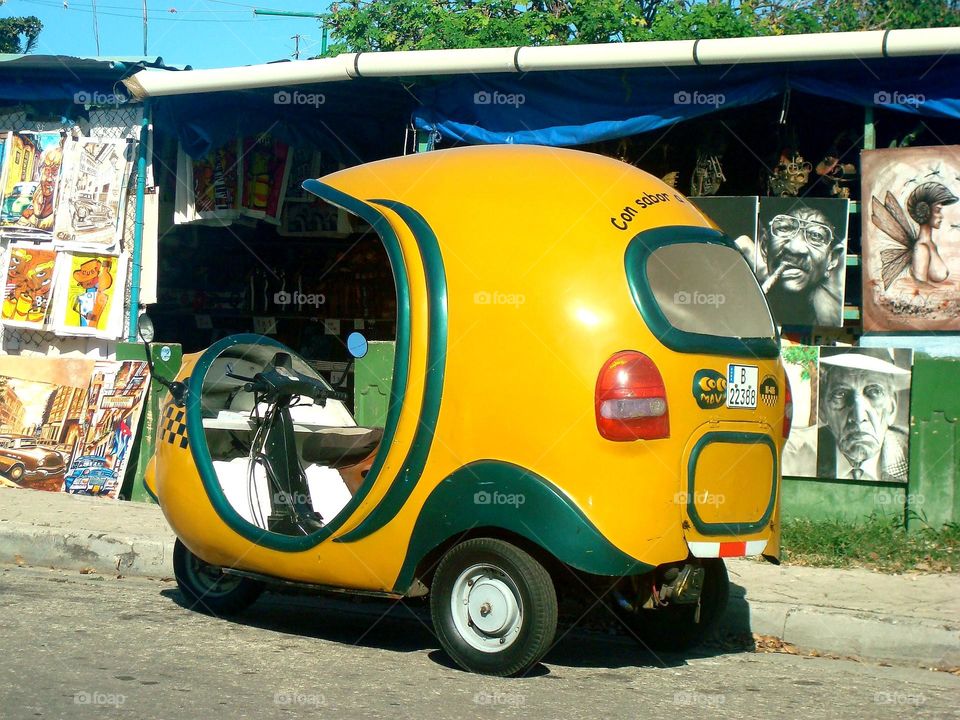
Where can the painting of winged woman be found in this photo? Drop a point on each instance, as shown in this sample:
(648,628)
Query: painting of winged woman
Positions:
(911,239)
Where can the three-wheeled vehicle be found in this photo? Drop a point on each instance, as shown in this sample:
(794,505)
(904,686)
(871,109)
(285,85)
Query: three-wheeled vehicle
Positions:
(587,393)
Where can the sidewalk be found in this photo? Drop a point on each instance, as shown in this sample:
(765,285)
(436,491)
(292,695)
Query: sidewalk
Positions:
(911,619)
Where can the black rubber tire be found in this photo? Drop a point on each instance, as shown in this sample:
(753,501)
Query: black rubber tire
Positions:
(16,473)
(207,589)
(672,628)
(538,601)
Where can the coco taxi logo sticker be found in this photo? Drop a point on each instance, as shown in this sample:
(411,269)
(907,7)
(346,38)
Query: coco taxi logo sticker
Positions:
(769,391)
(709,389)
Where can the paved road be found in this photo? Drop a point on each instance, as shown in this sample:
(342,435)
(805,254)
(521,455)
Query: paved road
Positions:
(77,646)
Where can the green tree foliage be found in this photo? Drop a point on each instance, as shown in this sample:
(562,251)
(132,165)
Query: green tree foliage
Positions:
(369,25)
(19,34)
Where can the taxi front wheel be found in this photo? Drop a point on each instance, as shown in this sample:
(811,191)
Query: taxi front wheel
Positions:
(207,588)
(494,607)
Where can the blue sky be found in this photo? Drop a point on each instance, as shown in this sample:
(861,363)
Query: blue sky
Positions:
(202,33)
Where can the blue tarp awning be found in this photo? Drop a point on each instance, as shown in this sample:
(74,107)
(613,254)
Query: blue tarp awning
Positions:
(579,107)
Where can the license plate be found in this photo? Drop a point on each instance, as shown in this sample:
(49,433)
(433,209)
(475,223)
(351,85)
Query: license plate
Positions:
(742,382)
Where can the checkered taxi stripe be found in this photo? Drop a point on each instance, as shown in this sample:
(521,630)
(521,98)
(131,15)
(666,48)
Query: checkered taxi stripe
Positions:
(174,428)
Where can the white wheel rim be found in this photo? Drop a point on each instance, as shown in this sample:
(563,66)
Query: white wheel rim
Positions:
(486,607)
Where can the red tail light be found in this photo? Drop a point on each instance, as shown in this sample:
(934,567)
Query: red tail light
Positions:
(630,400)
(787,407)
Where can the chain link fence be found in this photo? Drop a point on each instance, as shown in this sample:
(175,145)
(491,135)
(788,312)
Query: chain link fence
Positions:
(108,123)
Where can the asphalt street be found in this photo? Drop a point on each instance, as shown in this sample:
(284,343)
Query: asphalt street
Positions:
(77,646)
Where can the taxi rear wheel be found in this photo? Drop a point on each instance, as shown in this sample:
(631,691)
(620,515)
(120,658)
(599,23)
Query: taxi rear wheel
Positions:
(207,588)
(675,628)
(494,607)
(16,473)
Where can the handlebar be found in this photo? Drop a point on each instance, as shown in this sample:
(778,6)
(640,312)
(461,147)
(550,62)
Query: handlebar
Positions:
(280,381)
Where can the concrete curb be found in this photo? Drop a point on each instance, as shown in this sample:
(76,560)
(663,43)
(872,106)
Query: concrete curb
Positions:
(871,636)
(68,549)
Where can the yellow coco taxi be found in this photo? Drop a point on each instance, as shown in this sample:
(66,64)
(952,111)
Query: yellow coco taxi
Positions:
(587,393)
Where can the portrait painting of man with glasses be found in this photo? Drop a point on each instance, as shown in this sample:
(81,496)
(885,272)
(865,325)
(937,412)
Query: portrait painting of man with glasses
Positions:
(801,259)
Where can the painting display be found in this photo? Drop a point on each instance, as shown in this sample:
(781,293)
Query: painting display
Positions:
(266,169)
(864,414)
(800,261)
(89,295)
(68,424)
(31,171)
(29,274)
(215,181)
(736,216)
(91,192)
(911,239)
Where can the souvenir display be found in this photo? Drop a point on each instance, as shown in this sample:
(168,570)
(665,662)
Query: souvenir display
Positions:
(707,175)
(790,175)
(215,182)
(266,168)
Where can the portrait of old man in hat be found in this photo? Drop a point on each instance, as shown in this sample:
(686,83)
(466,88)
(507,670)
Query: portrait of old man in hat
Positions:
(864,397)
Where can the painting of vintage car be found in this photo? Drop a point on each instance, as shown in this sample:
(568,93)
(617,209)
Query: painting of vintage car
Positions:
(21,457)
(18,200)
(92,215)
(89,475)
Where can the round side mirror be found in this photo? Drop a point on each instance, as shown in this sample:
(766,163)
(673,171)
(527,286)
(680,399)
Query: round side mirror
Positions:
(357,344)
(145,328)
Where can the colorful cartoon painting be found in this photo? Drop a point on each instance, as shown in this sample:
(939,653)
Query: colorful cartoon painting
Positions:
(90,295)
(90,205)
(911,239)
(266,168)
(32,165)
(29,284)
